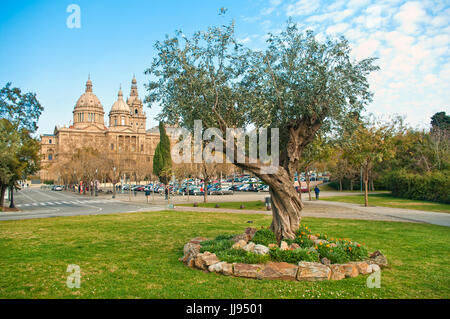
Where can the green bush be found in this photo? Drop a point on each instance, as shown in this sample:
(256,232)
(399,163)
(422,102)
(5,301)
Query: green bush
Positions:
(215,246)
(241,256)
(334,254)
(264,237)
(434,186)
(293,256)
(343,251)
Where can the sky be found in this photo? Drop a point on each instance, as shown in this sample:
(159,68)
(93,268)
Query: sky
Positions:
(40,53)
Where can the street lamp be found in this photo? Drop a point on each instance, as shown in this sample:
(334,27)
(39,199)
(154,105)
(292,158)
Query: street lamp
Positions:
(95,183)
(114,185)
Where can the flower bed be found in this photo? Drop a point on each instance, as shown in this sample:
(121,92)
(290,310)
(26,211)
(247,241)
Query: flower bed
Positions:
(256,254)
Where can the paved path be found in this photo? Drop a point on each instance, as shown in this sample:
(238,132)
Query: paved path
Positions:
(324,209)
(36,203)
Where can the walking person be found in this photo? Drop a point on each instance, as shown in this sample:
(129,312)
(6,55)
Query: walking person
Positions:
(317,191)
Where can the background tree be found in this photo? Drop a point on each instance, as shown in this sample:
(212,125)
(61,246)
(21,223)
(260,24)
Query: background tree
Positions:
(19,114)
(162,160)
(318,151)
(298,84)
(369,143)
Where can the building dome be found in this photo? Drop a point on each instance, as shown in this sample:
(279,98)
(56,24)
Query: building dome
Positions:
(120,105)
(88,110)
(88,99)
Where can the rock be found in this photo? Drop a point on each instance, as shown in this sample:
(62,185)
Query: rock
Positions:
(374,268)
(363,267)
(279,270)
(190,251)
(294,246)
(325,261)
(273,246)
(249,247)
(239,237)
(217,267)
(197,240)
(312,237)
(333,245)
(261,250)
(250,231)
(350,270)
(312,249)
(284,245)
(311,271)
(246,270)
(337,272)
(239,245)
(378,258)
(227,269)
(206,259)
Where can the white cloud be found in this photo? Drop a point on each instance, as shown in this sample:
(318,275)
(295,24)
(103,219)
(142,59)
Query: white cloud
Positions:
(409,16)
(337,28)
(302,7)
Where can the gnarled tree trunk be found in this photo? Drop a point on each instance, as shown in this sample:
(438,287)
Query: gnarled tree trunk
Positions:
(286,210)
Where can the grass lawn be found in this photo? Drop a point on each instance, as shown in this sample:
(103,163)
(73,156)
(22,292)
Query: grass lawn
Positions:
(388,200)
(251,205)
(135,255)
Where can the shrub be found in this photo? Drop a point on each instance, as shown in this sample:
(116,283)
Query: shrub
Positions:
(224,237)
(302,237)
(264,237)
(293,256)
(241,256)
(433,186)
(215,246)
(334,254)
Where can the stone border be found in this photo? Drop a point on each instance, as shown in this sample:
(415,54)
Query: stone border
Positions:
(304,271)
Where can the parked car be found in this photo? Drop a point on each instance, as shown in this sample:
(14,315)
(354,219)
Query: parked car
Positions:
(58,188)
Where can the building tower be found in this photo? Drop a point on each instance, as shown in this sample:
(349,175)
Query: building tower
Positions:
(88,111)
(138,117)
(120,115)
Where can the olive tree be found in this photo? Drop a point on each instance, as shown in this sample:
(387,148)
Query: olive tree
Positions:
(298,84)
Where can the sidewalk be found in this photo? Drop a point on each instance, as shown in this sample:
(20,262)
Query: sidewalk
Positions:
(320,209)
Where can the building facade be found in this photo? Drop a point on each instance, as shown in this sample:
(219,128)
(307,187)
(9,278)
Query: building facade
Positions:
(125,136)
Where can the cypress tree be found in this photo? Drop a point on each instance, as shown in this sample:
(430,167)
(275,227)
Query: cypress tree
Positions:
(162,160)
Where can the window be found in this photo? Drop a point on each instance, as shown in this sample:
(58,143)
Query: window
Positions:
(142,147)
(112,147)
(115,121)
(49,141)
(50,157)
(135,111)
(123,120)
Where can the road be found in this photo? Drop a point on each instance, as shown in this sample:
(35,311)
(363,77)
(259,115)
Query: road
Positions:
(36,203)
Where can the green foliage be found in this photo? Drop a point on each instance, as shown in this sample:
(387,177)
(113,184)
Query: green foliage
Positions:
(302,237)
(216,245)
(49,182)
(224,237)
(264,237)
(293,256)
(242,256)
(162,160)
(432,186)
(334,254)
(21,109)
(441,121)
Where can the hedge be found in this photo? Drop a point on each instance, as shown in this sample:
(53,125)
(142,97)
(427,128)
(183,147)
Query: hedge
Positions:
(434,186)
